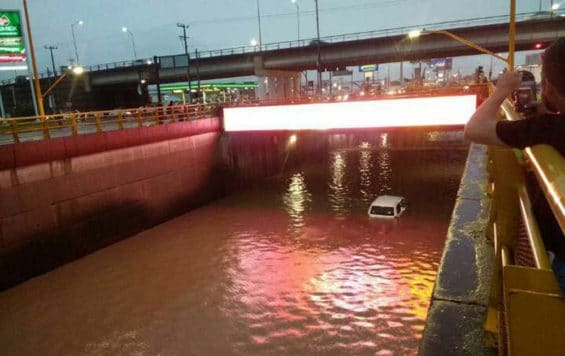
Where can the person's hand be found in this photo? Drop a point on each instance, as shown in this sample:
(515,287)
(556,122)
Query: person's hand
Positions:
(508,82)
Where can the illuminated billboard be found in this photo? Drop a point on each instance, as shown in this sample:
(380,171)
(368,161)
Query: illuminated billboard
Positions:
(406,112)
(12,47)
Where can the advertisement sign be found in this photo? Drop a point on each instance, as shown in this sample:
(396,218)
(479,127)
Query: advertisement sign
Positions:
(369,68)
(12,48)
(442,63)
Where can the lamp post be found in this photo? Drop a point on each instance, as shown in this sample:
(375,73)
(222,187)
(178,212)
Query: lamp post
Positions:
(78,70)
(295,2)
(125,29)
(79,23)
(417,33)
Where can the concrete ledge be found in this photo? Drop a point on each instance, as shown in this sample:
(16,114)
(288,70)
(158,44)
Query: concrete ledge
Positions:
(454,329)
(461,292)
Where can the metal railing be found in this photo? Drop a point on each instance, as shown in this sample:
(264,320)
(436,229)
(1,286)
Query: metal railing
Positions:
(526,298)
(446,25)
(33,128)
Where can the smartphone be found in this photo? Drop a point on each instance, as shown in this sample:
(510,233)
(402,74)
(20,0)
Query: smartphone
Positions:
(525,97)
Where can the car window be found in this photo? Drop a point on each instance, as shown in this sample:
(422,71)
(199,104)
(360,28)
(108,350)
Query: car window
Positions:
(382,210)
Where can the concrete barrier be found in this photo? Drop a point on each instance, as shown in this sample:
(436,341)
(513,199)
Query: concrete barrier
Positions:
(455,322)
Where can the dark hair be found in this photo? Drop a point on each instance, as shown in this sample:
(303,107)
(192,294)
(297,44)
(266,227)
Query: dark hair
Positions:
(554,65)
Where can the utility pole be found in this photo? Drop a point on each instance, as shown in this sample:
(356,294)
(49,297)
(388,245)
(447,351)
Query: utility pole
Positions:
(51,48)
(198,72)
(319,61)
(184,37)
(259,22)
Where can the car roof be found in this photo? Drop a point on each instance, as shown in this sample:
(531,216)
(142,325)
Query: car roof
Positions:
(387,200)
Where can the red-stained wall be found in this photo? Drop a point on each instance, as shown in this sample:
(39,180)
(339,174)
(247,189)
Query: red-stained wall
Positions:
(65,197)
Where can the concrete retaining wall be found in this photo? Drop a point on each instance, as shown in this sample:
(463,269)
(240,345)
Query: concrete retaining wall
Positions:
(63,198)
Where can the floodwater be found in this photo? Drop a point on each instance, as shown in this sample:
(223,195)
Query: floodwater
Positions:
(290,266)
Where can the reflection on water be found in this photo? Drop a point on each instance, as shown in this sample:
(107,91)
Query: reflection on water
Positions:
(385,172)
(296,200)
(293,266)
(338,185)
(365,172)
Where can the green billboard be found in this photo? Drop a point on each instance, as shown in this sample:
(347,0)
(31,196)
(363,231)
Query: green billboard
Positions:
(12,48)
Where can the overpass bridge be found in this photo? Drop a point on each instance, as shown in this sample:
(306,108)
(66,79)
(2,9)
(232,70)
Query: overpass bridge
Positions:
(338,51)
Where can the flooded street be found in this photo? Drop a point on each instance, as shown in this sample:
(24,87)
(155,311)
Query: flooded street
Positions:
(292,265)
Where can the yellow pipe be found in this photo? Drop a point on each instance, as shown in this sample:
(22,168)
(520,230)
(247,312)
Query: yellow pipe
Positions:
(512,35)
(38,95)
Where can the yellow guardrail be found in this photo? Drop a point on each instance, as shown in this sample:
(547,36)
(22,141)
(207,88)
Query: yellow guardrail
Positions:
(549,167)
(77,123)
(527,308)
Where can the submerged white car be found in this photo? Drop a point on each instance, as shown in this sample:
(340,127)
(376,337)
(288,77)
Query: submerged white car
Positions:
(387,206)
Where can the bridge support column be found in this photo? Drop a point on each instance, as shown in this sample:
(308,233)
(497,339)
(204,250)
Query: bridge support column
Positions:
(276,84)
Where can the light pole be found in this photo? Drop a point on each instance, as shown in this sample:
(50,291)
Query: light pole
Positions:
(259,23)
(295,2)
(78,70)
(125,29)
(319,60)
(80,22)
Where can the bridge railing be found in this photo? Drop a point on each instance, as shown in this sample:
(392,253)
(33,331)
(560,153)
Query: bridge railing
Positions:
(170,61)
(526,301)
(31,128)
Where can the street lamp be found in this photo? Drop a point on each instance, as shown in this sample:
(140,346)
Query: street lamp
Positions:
(79,23)
(76,70)
(417,33)
(297,19)
(125,29)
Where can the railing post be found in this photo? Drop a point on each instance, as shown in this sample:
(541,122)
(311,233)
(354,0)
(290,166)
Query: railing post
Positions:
(121,120)
(45,127)
(139,120)
(14,131)
(98,122)
(74,124)
(157,115)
